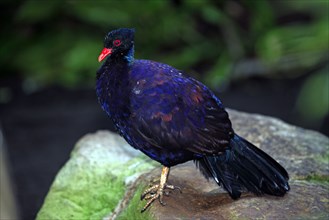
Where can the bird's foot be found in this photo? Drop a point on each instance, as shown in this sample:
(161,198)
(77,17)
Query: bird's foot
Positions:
(156,192)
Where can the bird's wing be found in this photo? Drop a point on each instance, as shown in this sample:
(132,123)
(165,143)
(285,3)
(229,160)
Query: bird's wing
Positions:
(177,112)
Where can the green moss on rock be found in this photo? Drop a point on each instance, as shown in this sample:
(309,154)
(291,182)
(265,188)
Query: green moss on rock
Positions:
(134,207)
(318,178)
(91,183)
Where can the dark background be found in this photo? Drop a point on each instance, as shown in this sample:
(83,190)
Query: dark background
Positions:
(266,57)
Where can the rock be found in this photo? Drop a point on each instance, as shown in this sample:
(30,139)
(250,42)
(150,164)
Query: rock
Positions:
(201,199)
(102,176)
(94,180)
(302,152)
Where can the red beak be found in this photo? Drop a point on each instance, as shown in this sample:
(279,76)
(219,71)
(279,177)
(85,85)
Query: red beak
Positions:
(105,52)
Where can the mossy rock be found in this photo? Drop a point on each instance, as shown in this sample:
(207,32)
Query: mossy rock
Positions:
(94,180)
(105,176)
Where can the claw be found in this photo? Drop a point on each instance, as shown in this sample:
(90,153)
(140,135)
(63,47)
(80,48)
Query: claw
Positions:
(149,190)
(149,203)
(161,201)
(174,187)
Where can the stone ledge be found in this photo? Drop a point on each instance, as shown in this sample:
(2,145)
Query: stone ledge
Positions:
(93,183)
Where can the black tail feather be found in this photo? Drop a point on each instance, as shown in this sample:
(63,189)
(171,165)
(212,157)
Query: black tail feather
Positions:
(245,167)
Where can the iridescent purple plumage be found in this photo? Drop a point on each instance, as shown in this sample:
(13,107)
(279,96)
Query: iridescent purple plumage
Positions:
(159,111)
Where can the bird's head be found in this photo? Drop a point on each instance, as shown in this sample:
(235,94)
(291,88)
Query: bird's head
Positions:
(119,42)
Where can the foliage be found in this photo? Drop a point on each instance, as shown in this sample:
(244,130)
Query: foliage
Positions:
(58,42)
(314,96)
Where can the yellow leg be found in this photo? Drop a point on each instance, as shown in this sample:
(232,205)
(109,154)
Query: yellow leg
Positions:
(157,191)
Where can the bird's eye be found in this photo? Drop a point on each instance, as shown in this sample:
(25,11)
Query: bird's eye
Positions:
(117,43)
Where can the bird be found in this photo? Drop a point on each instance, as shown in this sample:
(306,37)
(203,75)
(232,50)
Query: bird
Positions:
(173,118)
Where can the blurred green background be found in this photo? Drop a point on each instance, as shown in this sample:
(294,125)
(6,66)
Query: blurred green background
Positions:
(57,42)
(263,56)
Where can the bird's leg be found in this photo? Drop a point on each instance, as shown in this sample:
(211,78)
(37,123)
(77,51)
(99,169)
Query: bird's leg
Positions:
(157,191)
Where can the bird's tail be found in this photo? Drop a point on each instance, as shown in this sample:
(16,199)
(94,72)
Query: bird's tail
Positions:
(245,167)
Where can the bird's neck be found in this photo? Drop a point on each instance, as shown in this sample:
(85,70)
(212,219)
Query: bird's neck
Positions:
(122,59)
(130,55)
(113,86)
